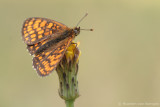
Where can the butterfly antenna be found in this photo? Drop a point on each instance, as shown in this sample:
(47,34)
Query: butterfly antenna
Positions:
(87,29)
(81,19)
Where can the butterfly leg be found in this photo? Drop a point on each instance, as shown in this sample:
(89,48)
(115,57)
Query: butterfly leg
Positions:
(76,43)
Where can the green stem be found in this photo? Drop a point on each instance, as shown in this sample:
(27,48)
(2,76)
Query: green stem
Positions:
(69,103)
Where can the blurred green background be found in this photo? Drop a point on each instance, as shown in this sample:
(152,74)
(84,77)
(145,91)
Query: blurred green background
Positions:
(120,61)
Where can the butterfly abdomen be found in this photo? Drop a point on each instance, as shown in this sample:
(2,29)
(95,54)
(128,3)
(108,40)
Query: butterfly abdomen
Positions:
(52,42)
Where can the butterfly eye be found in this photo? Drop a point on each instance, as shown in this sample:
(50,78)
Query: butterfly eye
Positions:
(75,31)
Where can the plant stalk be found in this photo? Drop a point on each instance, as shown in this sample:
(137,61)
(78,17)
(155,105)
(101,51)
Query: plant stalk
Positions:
(69,103)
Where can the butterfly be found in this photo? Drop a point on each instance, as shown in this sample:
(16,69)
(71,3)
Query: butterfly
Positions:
(47,40)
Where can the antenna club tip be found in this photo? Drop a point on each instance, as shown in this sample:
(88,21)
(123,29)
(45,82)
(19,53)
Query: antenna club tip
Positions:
(91,29)
(82,19)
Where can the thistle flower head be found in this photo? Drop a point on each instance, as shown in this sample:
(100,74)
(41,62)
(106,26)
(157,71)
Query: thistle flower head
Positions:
(73,53)
(67,71)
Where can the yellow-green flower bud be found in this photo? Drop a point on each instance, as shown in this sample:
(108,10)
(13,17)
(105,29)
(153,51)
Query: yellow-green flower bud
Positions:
(67,71)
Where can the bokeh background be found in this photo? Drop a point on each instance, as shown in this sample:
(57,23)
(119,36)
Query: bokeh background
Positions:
(120,60)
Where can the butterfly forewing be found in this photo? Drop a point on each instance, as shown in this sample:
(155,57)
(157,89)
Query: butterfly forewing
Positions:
(33,48)
(38,29)
(47,40)
(47,61)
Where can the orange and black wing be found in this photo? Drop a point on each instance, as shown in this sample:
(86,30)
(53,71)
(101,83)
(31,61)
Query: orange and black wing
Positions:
(46,61)
(33,48)
(38,29)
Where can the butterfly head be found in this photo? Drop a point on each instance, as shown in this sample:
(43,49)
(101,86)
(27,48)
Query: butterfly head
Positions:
(76,31)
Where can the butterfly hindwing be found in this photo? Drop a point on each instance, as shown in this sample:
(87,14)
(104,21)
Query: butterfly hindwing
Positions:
(47,61)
